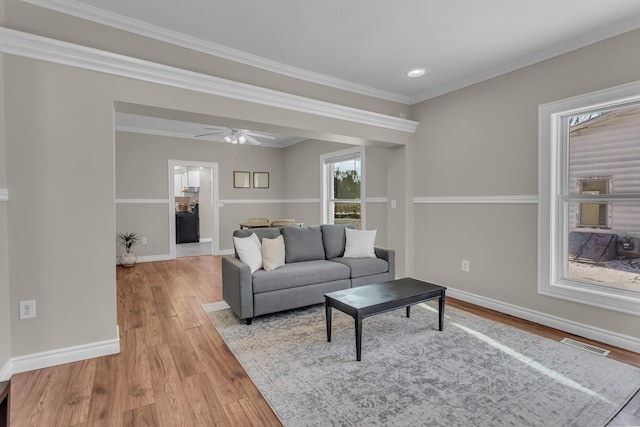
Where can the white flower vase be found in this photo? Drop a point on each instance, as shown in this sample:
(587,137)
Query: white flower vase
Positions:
(128,259)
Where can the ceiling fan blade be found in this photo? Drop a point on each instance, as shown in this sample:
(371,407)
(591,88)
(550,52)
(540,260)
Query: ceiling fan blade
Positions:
(252,140)
(259,135)
(210,133)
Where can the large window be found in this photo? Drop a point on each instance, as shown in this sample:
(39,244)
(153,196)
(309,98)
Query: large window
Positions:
(343,187)
(589,207)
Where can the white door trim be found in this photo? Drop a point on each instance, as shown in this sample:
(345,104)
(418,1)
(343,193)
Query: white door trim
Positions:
(215,209)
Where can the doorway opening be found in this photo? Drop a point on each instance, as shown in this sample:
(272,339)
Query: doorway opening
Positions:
(193,208)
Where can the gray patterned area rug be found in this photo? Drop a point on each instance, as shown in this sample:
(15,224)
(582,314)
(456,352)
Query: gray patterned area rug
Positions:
(475,373)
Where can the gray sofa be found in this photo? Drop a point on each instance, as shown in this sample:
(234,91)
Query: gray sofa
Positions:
(314,266)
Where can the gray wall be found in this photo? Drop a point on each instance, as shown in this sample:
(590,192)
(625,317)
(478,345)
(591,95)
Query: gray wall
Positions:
(483,141)
(5,319)
(141,172)
(205,204)
(294,173)
(5,330)
(60,127)
(302,166)
(61,213)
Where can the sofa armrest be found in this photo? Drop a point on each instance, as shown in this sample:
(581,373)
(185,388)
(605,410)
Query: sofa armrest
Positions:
(237,286)
(388,255)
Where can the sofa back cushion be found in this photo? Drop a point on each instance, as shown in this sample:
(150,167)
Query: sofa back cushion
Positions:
(302,243)
(333,237)
(268,232)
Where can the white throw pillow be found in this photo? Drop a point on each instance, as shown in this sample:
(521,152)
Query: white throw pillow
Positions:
(249,250)
(360,243)
(272,253)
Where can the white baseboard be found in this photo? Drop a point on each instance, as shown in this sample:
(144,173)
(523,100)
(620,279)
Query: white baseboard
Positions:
(6,371)
(206,240)
(612,338)
(150,258)
(167,257)
(61,356)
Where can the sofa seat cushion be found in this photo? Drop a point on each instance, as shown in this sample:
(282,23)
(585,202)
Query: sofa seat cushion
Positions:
(363,266)
(298,274)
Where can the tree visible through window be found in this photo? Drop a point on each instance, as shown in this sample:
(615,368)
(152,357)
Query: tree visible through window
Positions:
(342,202)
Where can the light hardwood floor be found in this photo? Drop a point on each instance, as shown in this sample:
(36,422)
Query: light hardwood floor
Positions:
(173,368)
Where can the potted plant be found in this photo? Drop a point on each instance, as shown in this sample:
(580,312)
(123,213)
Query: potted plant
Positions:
(128,239)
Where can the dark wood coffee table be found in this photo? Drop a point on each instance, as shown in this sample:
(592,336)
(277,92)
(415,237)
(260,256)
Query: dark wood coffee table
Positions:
(368,300)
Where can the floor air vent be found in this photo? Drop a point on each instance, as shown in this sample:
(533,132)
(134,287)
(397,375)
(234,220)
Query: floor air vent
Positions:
(587,347)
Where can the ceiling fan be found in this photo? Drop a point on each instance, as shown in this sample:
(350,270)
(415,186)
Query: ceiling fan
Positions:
(237,136)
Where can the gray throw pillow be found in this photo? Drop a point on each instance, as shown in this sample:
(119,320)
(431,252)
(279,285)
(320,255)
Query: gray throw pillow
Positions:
(302,243)
(333,237)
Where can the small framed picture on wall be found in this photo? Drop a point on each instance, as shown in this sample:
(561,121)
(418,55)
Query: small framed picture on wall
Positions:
(261,180)
(241,179)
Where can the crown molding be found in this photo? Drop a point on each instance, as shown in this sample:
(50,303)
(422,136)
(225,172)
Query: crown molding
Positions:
(101,16)
(558,49)
(110,19)
(56,51)
(4,195)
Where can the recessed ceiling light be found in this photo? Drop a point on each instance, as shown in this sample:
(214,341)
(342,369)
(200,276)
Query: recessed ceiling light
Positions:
(416,72)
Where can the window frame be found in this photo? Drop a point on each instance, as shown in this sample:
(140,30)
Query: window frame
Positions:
(553,172)
(326,183)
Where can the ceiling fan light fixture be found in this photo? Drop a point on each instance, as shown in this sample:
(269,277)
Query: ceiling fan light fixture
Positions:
(416,72)
(235,136)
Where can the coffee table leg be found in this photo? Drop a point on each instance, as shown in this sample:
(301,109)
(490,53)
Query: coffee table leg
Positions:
(441,311)
(408,311)
(327,308)
(358,339)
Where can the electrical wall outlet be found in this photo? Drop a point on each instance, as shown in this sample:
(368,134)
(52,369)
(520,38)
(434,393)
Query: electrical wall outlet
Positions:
(465,265)
(27,309)
(143,240)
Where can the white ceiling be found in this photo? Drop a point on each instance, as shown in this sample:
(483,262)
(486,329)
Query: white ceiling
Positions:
(367,45)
